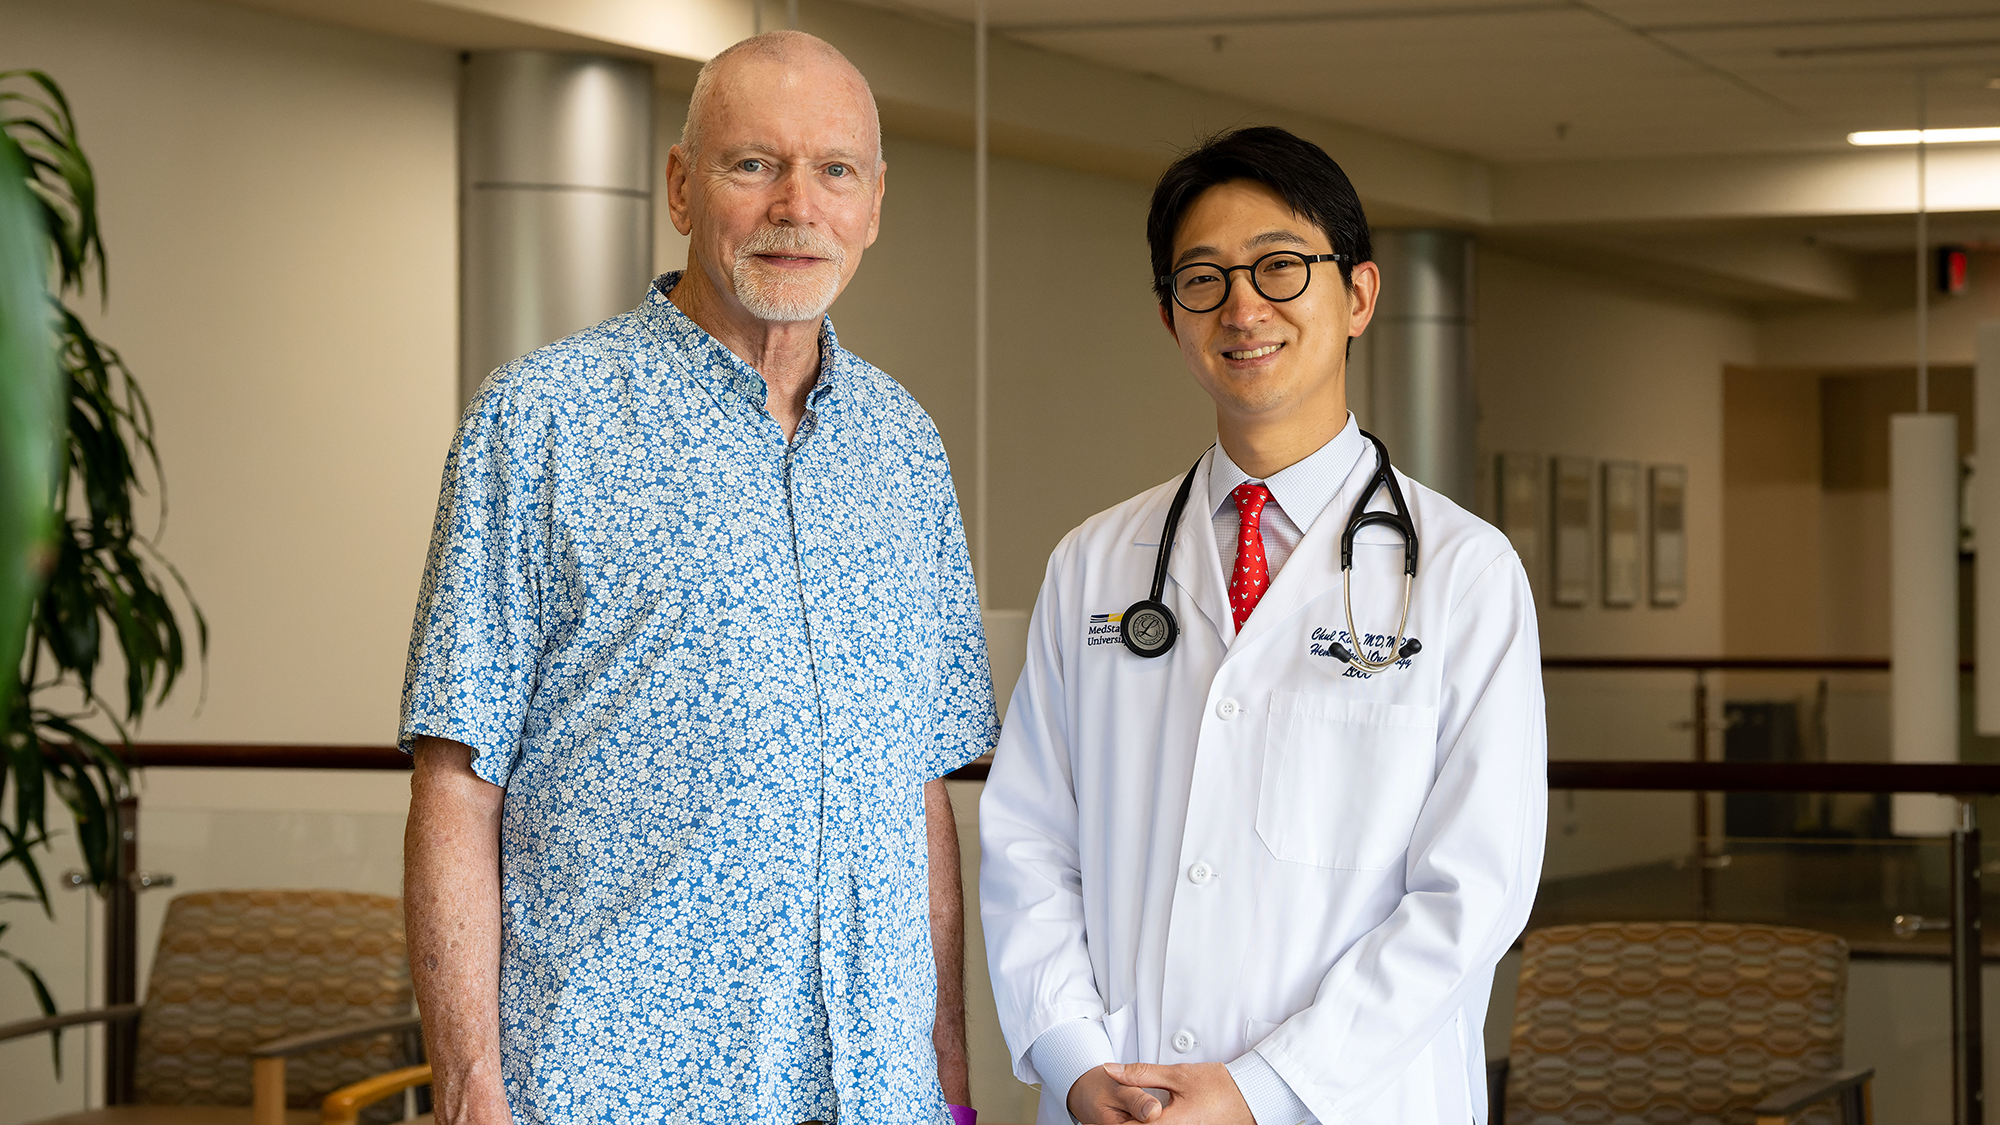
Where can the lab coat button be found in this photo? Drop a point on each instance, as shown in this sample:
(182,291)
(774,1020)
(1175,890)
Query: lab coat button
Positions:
(1228,709)
(1200,874)
(1184,1041)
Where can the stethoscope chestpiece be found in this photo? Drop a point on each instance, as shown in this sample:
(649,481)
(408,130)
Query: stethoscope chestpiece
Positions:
(1148,628)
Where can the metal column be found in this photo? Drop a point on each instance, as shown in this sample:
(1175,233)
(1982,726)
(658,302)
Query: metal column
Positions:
(1968,1080)
(121,957)
(1420,395)
(555,203)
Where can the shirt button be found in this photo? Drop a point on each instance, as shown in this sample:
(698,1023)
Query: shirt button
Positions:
(1228,709)
(1183,1041)
(1200,874)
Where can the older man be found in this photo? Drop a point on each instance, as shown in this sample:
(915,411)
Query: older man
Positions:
(696,642)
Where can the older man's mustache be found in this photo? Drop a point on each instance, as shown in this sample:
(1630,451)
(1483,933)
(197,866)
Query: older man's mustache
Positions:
(794,242)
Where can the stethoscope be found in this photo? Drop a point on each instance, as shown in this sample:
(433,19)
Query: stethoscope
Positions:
(1149,628)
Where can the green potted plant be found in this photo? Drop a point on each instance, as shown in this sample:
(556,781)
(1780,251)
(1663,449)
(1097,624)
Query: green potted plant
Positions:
(92,575)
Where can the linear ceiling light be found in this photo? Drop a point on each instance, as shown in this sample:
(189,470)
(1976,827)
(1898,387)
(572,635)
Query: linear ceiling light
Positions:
(1926,136)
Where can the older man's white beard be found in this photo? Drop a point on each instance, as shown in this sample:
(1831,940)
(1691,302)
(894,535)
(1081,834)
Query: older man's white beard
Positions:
(777,294)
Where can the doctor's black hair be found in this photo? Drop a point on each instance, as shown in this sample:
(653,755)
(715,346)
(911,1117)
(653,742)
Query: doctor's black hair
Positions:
(1301,172)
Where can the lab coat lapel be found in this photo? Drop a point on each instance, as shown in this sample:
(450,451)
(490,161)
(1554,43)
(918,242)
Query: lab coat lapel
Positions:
(1194,567)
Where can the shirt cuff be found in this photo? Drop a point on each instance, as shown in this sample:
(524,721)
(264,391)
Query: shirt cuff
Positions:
(1268,1095)
(1067,1052)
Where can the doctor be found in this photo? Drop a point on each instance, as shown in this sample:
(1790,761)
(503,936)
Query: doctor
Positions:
(1266,871)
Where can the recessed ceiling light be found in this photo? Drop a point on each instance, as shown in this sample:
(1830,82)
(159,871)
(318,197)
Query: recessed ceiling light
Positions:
(1926,136)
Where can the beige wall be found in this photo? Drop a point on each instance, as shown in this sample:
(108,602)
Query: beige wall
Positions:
(1807,503)
(279,204)
(1089,400)
(1575,364)
(1772,519)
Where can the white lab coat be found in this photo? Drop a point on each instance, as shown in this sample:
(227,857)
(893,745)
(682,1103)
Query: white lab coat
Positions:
(1243,844)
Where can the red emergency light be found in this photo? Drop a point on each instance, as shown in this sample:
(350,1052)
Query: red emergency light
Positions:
(1951,269)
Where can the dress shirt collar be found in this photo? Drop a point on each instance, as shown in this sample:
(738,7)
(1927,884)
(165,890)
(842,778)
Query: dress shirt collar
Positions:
(1302,489)
(723,370)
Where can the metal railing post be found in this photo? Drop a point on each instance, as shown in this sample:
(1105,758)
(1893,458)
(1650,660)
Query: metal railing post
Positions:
(121,958)
(1704,853)
(1967,956)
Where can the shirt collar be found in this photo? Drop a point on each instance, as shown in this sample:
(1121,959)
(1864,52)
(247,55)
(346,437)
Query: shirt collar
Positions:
(1303,489)
(723,370)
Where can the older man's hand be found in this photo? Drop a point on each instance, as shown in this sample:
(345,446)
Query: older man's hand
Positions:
(1099,1099)
(1203,1093)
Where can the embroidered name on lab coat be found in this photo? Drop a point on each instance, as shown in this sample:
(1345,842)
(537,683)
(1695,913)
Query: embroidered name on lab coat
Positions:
(1374,645)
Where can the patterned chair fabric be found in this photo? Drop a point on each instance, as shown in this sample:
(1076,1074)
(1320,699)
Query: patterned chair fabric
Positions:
(239,968)
(1671,1023)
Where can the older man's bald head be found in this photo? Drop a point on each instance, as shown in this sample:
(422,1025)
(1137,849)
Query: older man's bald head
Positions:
(788,49)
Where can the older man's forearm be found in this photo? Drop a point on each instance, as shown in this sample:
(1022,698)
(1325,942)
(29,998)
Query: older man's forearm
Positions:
(947,944)
(451,903)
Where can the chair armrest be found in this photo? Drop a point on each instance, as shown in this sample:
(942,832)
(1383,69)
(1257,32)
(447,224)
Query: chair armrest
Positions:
(343,1106)
(332,1037)
(117,1013)
(1784,1103)
(267,1061)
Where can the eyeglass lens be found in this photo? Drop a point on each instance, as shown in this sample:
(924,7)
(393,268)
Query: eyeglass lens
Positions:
(1203,286)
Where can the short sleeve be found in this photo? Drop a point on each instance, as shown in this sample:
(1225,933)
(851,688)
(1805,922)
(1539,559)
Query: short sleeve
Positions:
(476,642)
(962,716)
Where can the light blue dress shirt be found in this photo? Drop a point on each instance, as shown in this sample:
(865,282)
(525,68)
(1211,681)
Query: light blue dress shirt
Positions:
(713,670)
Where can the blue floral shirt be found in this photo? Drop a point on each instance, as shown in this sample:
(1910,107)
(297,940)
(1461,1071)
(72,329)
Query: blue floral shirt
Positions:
(713,671)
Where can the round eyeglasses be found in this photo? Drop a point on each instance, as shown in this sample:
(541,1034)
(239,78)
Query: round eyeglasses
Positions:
(1281,275)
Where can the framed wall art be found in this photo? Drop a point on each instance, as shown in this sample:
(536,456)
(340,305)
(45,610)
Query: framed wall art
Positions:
(1667,519)
(1570,507)
(1521,504)
(1620,525)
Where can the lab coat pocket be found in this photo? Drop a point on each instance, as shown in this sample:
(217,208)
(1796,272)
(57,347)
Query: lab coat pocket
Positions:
(1118,1029)
(1344,779)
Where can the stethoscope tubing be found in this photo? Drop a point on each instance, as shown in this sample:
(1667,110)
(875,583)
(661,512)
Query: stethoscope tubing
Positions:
(1148,628)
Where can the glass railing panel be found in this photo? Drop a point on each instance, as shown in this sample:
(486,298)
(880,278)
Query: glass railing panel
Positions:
(1619,714)
(336,830)
(1772,716)
(239,849)
(1598,834)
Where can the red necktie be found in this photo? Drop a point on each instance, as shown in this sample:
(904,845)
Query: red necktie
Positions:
(1252,576)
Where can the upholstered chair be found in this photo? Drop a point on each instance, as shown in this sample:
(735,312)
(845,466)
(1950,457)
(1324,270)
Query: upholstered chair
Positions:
(1693,1023)
(319,979)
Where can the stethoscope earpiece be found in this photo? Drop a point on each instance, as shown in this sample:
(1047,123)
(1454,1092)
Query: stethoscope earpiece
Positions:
(1410,648)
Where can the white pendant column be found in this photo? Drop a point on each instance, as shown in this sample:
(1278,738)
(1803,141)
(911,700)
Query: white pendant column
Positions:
(1923,608)
(1986,525)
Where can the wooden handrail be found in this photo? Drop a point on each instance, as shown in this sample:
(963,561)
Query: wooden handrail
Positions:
(243,755)
(1723,664)
(1720,664)
(1954,778)
(1671,776)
